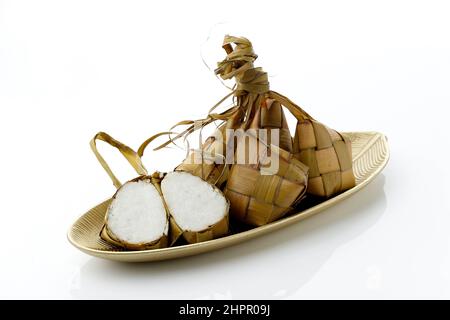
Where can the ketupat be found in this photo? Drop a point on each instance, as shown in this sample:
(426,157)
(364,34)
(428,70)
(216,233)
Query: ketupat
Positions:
(327,154)
(259,194)
(324,151)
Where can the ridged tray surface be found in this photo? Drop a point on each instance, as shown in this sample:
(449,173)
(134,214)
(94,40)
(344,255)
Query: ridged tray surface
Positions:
(370,155)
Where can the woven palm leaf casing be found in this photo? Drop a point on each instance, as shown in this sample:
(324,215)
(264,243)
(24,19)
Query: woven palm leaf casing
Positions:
(208,163)
(270,116)
(159,244)
(328,156)
(206,169)
(258,197)
(215,231)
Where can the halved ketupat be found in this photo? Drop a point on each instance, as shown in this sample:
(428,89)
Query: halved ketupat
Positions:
(140,218)
(136,218)
(198,210)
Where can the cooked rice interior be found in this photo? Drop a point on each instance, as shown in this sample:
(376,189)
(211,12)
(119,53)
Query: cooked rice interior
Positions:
(137,214)
(193,202)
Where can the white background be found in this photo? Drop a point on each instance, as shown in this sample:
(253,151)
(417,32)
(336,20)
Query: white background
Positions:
(71,68)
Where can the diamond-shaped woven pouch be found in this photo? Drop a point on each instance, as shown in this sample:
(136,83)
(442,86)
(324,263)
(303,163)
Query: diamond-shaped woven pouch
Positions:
(327,154)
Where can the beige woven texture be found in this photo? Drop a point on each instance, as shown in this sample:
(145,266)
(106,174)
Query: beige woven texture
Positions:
(327,154)
(202,163)
(258,196)
(271,116)
(218,230)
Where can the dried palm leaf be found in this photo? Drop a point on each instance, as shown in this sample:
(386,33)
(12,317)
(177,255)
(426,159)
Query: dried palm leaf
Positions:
(262,192)
(207,163)
(328,155)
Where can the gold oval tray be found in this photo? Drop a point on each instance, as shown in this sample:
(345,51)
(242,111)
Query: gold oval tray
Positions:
(370,155)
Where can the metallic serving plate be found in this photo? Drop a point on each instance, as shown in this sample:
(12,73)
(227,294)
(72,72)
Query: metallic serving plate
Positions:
(370,155)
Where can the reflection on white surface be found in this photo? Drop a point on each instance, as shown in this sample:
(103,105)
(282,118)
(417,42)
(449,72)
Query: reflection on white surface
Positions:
(272,267)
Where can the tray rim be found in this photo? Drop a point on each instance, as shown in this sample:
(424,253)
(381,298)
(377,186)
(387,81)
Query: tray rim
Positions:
(228,241)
